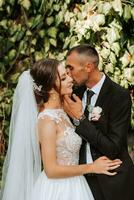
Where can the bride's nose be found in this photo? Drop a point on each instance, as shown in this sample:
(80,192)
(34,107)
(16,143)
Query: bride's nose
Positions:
(70,79)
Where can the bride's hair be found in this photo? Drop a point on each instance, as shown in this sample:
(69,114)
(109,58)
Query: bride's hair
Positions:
(44,73)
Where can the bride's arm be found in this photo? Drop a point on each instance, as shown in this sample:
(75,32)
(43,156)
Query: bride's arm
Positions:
(47,138)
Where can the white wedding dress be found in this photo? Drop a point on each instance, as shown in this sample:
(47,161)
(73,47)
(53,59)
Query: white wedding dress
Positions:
(67,146)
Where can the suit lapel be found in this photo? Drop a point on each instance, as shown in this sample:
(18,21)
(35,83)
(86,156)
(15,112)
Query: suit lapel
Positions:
(104,92)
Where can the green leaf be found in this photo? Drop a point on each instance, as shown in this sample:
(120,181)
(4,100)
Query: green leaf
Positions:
(46,44)
(15,77)
(34,41)
(132,12)
(7,109)
(127,12)
(35,21)
(53,42)
(56,7)
(42,33)
(38,55)
(25,3)
(59,18)
(2,78)
(62,36)
(49,20)
(36,2)
(1,3)
(66,43)
(52,32)
(12,54)
(11,2)
(73,41)
(19,35)
(3,23)
(22,47)
(28,33)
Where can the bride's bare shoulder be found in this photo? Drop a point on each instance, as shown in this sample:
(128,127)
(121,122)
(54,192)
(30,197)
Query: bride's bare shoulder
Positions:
(46,127)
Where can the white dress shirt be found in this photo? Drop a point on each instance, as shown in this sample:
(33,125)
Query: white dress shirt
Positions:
(96,89)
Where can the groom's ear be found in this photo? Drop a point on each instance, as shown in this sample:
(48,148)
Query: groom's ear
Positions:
(89,67)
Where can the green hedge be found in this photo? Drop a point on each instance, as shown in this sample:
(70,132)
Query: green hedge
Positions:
(34,29)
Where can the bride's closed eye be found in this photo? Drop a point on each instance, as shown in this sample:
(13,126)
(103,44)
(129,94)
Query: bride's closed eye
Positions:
(63,79)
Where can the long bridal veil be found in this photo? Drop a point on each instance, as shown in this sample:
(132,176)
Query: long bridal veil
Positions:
(22,164)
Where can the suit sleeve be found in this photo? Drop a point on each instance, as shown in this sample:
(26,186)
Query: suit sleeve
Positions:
(111,143)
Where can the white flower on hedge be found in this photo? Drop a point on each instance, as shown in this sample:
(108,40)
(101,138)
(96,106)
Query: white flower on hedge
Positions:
(109,68)
(88,8)
(125,59)
(127,12)
(84,14)
(117,72)
(132,61)
(106,44)
(116,48)
(129,74)
(104,7)
(105,53)
(112,35)
(115,24)
(95,21)
(116,79)
(130,48)
(124,83)
(100,66)
(81,27)
(117,6)
(112,58)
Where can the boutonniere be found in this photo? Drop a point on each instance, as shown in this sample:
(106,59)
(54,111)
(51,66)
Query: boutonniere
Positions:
(94,113)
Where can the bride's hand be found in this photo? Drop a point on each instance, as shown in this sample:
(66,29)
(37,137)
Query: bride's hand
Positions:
(103,165)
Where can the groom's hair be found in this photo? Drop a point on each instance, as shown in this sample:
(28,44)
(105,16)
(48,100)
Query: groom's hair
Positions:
(87,50)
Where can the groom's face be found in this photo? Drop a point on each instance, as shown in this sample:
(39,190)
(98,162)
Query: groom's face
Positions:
(76,68)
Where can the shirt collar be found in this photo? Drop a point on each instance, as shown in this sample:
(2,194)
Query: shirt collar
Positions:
(96,88)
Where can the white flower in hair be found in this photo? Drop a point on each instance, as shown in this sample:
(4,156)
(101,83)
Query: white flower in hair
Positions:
(36,87)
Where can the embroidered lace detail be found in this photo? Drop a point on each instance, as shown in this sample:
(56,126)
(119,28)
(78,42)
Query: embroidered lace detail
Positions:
(55,114)
(68,147)
(68,142)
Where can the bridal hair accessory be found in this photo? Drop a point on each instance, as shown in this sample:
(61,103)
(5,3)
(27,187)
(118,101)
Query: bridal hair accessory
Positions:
(36,87)
(94,113)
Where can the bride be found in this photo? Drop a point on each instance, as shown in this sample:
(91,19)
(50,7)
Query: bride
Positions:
(43,152)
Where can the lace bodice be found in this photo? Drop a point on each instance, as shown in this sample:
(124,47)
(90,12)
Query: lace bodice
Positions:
(68,143)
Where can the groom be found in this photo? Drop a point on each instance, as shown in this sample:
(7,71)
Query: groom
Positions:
(103,129)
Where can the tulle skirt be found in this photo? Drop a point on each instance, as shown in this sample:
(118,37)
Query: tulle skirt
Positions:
(74,188)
